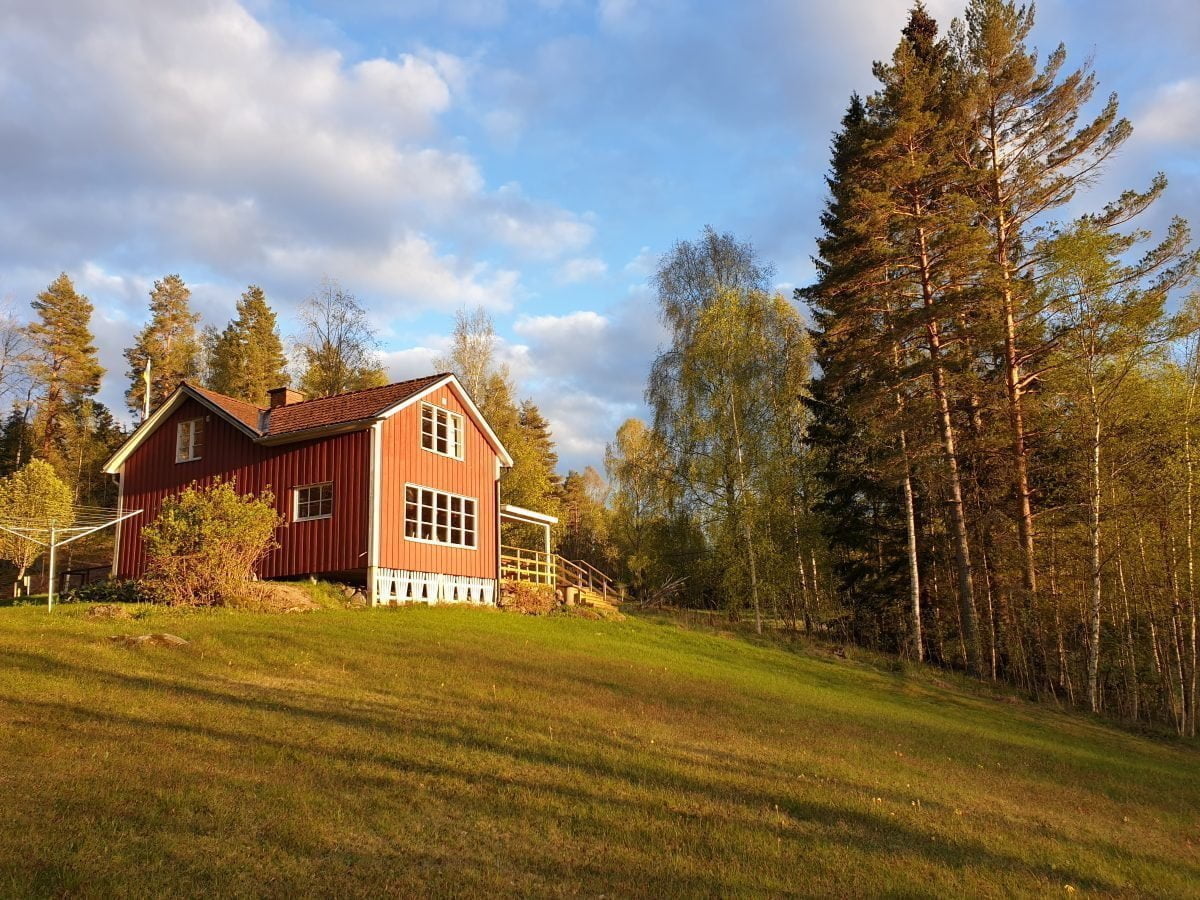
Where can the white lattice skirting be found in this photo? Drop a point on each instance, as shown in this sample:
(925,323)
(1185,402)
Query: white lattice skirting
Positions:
(403,586)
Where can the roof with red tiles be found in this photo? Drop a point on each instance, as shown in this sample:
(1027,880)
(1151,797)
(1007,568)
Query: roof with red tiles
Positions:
(298,421)
(342,409)
(246,413)
(320,413)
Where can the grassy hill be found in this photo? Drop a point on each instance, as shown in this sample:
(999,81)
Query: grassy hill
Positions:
(467,751)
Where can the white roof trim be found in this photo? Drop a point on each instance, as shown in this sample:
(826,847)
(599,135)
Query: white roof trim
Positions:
(521,514)
(150,425)
(476,416)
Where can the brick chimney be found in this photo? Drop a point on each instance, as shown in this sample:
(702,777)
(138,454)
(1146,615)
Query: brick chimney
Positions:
(284,396)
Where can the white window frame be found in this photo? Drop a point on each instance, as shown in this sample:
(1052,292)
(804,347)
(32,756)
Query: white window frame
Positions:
(455,424)
(296,517)
(190,426)
(472,532)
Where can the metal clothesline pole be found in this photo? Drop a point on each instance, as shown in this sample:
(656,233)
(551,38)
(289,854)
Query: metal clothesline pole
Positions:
(53,557)
(53,544)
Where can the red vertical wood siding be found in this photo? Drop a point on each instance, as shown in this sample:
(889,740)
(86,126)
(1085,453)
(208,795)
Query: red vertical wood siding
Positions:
(405,461)
(337,544)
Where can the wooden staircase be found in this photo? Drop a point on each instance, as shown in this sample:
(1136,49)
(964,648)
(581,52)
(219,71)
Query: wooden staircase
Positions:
(575,581)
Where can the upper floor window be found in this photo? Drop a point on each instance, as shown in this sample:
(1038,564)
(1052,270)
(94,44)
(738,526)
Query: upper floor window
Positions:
(189,440)
(314,501)
(441,431)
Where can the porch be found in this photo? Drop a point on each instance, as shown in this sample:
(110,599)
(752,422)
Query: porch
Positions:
(576,581)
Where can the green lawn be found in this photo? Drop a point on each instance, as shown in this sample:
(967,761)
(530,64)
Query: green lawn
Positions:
(454,751)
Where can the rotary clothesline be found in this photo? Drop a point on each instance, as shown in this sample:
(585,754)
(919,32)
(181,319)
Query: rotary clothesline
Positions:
(52,534)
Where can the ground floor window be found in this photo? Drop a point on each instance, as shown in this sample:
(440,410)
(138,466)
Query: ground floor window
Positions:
(314,501)
(438,517)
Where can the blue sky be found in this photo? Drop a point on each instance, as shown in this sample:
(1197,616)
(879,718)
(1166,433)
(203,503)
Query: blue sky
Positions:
(534,157)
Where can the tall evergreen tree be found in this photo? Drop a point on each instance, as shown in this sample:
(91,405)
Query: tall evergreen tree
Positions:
(246,359)
(169,344)
(63,362)
(1032,157)
(583,528)
(850,399)
(902,247)
(540,439)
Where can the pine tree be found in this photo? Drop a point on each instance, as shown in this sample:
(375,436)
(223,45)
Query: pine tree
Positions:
(168,344)
(532,482)
(917,252)
(63,362)
(850,400)
(246,359)
(337,345)
(537,427)
(583,528)
(1032,159)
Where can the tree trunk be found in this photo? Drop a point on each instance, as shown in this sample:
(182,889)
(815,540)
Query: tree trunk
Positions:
(745,516)
(1013,378)
(1094,536)
(1168,542)
(958,516)
(914,573)
(1191,555)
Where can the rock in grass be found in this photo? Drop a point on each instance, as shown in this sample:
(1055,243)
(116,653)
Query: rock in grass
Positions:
(161,639)
(109,611)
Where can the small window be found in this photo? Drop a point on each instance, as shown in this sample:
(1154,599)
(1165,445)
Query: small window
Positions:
(314,502)
(438,518)
(189,440)
(441,431)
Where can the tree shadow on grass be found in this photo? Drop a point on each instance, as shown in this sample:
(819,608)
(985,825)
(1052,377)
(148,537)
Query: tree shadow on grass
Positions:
(616,777)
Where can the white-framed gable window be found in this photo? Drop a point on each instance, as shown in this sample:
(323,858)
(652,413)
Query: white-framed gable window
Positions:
(441,431)
(189,440)
(313,501)
(437,517)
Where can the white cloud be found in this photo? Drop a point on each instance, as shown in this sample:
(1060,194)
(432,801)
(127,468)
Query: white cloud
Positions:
(155,136)
(581,268)
(587,371)
(409,271)
(642,265)
(204,136)
(537,230)
(412,362)
(1173,114)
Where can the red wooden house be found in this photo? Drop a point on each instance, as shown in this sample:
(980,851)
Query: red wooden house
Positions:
(394,487)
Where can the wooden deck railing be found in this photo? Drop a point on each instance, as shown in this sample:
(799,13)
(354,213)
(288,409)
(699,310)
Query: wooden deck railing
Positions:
(539,567)
(532,566)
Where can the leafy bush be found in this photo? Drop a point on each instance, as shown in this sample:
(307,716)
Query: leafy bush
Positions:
(112,591)
(202,548)
(528,599)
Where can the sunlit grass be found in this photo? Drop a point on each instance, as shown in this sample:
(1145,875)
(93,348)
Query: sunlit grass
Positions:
(454,750)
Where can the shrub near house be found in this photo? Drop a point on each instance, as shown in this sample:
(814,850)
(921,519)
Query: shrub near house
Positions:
(202,548)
